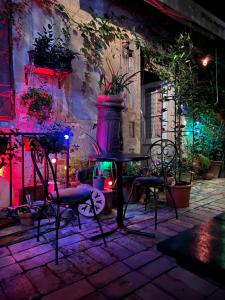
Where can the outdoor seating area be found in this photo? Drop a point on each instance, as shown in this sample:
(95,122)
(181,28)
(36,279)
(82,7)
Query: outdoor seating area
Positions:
(112,150)
(129,267)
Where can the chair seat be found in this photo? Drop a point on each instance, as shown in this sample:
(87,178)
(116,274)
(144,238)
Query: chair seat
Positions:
(151,180)
(72,195)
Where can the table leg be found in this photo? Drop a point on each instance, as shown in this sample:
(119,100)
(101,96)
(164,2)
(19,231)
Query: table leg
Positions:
(119,193)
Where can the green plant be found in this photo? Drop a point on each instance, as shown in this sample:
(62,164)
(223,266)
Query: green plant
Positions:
(38,102)
(133,169)
(8,146)
(52,52)
(175,68)
(204,162)
(55,137)
(117,83)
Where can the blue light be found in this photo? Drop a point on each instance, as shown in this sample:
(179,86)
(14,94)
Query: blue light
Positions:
(66,136)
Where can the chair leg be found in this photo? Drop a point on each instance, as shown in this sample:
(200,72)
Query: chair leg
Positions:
(156,208)
(174,203)
(99,223)
(38,228)
(78,217)
(147,199)
(57,225)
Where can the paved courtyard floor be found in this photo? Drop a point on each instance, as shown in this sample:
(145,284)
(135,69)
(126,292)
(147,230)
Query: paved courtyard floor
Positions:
(130,267)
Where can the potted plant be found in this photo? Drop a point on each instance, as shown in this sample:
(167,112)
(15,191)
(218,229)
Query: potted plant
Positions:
(98,178)
(52,52)
(114,85)
(175,69)
(55,137)
(110,105)
(25,215)
(38,103)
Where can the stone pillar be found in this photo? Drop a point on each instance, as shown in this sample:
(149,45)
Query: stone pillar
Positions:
(109,123)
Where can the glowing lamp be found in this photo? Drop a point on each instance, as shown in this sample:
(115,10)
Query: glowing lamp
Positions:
(205,60)
(109,183)
(66,136)
(53,160)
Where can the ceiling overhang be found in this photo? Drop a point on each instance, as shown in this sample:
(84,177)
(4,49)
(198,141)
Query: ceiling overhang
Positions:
(189,13)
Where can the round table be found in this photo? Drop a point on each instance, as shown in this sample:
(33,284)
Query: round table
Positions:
(119,159)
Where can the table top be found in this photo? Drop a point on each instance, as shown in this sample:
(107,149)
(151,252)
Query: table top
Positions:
(120,157)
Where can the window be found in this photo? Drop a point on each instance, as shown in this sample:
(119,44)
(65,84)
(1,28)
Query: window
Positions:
(153,107)
(6,75)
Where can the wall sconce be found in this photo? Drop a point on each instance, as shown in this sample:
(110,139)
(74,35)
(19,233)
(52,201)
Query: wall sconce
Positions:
(206,60)
(127,51)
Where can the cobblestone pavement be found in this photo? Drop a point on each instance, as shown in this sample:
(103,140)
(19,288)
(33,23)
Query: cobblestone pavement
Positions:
(129,268)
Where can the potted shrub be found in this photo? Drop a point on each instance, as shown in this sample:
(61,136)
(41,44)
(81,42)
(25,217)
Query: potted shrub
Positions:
(52,52)
(114,85)
(25,215)
(38,103)
(98,178)
(110,105)
(175,69)
(55,137)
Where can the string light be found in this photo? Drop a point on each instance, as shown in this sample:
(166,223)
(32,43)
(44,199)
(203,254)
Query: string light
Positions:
(66,136)
(53,160)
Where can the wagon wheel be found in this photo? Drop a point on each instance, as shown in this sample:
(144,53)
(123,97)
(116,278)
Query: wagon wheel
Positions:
(98,197)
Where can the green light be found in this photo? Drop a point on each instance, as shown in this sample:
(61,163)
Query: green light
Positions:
(105,165)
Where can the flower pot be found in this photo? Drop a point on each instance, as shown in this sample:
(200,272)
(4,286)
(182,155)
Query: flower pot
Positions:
(116,99)
(98,183)
(181,195)
(215,168)
(26,218)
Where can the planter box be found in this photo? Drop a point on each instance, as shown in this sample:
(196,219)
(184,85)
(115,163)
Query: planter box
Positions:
(181,195)
(26,218)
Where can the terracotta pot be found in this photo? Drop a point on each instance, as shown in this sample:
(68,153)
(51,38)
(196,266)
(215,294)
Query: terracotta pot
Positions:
(208,176)
(181,195)
(26,218)
(215,168)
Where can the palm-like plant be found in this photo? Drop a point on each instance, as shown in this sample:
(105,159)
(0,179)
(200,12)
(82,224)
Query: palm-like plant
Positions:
(117,83)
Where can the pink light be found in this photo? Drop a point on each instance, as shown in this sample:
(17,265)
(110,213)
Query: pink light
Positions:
(53,160)
(110,183)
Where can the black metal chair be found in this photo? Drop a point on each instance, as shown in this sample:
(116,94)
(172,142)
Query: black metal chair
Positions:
(162,162)
(67,197)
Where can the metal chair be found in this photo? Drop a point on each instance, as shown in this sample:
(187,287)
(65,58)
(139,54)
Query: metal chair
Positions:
(163,156)
(67,197)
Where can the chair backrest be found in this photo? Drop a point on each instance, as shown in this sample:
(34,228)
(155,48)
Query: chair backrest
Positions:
(43,167)
(163,157)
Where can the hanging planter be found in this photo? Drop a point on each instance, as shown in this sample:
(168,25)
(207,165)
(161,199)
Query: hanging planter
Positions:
(38,103)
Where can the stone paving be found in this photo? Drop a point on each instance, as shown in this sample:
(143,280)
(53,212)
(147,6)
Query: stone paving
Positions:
(130,267)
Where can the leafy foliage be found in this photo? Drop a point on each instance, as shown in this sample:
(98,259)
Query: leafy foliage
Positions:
(38,102)
(53,140)
(97,35)
(117,83)
(7,147)
(52,52)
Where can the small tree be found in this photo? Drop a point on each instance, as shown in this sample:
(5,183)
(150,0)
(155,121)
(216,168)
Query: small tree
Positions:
(175,68)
